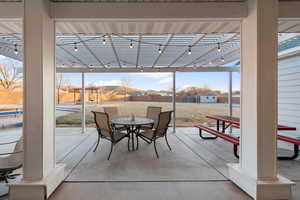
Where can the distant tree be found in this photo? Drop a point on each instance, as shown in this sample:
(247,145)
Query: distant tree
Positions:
(236,92)
(9,77)
(61,82)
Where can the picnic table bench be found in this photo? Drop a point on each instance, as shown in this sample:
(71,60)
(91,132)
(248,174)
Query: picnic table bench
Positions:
(235,123)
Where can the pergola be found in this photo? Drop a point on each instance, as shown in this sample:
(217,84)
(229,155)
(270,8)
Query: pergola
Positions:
(251,26)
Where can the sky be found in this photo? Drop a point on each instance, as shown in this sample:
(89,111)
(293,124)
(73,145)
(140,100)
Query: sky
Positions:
(159,81)
(154,81)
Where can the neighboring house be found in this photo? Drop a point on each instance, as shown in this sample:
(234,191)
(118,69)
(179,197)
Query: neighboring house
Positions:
(135,93)
(207,98)
(190,99)
(164,94)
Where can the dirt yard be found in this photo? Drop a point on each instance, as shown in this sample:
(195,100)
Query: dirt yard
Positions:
(187,114)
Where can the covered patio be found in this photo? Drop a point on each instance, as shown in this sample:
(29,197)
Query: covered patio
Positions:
(100,37)
(194,166)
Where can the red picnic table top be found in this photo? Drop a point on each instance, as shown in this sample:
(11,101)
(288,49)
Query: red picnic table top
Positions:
(235,121)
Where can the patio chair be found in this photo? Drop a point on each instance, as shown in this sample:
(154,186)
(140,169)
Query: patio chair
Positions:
(152,113)
(9,162)
(113,113)
(159,132)
(106,131)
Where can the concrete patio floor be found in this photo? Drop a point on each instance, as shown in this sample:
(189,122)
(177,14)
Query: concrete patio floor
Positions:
(194,169)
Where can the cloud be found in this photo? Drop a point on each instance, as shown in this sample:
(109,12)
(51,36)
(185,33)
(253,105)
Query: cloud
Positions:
(108,83)
(184,87)
(153,75)
(165,80)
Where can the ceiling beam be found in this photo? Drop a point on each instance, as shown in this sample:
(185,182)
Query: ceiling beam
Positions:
(186,50)
(150,69)
(75,57)
(140,10)
(138,51)
(115,51)
(90,51)
(170,37)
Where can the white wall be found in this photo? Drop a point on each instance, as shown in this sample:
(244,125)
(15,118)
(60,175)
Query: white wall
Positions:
(289,94)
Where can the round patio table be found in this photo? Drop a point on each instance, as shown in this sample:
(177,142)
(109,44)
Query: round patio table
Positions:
(132,125)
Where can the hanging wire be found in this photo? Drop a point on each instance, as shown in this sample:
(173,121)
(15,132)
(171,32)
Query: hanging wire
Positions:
(132,41)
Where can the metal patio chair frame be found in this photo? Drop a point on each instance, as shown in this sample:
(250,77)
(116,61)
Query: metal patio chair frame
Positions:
(111,132)
(159,132)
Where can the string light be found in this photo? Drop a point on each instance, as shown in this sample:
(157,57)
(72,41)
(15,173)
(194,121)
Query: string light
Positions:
(190,50)
(131,45)
(16,49)
(159,50)
(75,47)
(219,47)
(104,40)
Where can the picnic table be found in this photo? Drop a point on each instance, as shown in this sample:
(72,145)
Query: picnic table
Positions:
(228,121)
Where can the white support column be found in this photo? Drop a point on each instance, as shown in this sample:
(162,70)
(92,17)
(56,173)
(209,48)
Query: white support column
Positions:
(257,171)
(41,175)
(230,94)
(174,101)
(83,124)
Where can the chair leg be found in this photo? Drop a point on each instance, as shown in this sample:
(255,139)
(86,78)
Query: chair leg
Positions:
(235,151)
(111,149)
(98,141)
(155,148)
(137,142)
(167,142)
(128,144)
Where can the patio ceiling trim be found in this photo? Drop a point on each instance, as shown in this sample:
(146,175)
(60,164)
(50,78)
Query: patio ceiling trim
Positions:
(289,9)
(149,69)
(11,10)
(121,10)
(88,10)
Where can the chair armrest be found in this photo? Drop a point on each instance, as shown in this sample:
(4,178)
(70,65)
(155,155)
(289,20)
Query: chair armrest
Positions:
(5,154)
(13,142)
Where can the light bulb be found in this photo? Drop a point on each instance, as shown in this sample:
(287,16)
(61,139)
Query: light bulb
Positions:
(219,47)
(159,50)
(16,50)
(210,63)
(131,45)
(75,47)
(190,50)
(223,59)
